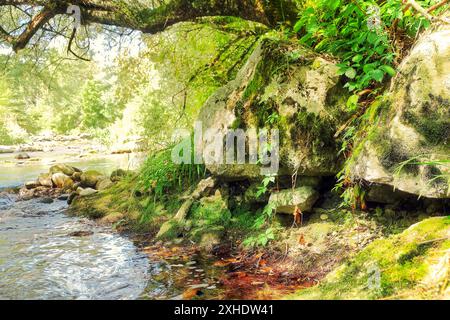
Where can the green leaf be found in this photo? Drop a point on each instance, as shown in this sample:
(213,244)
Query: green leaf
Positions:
(377,75)
(389,70)
(350,73)
(352,102)
(357,58)
(372,37)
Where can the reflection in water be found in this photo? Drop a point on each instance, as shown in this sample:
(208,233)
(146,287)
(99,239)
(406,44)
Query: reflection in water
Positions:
(39,259)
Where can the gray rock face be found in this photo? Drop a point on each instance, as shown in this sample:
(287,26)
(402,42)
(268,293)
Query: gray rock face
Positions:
(286,201)
(408,149)
(300,96)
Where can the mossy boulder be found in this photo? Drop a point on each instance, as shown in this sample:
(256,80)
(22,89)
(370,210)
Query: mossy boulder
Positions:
(104,184)
(45,180)
(287,87)
(408,147)
(90,178)
(286,201)
(62,181)
(63,168)
(170,230)
(411,265)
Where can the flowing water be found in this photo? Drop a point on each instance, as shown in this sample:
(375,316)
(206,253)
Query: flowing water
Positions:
(47,254)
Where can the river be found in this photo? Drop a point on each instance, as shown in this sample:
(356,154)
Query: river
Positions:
(46,254)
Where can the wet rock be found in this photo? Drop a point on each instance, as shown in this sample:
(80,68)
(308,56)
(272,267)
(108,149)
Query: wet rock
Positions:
(285,201)
(63,168)
(86,192)
(211,239)
(26,194)
(90,178)
(79,234)
(77,176)
(46,200)
(32,185)
(72,197)
(64,197)
(22,156)
(61,181)
(45,180)
(104,184)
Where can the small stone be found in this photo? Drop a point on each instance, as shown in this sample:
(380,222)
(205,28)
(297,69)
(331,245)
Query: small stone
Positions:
(22,156)
(32,185)
(47,200)
(323,217)
(81,234)
(86,192)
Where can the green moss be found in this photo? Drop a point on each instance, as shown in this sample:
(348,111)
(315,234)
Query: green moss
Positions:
(402,261)
(314,130)
(432,121)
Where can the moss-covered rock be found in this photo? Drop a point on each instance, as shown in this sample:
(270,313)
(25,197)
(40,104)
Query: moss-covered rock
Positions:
(409,147)
(288,87)
(63,168)
(286,201)
(411,265)
(90,178)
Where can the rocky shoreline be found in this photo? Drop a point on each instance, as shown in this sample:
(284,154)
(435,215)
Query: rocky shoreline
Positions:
(66,182)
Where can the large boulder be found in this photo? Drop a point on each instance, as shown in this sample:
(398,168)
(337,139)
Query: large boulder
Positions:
(63,168)
(104,184)
(90,178)
(61,181)
(408,147)
(286,86)
(45,180)
(286,201)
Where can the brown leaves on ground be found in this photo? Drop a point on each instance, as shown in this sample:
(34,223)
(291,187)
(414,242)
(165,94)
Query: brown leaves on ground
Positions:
(258,276)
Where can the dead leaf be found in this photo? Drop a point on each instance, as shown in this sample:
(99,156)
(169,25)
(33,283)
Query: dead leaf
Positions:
(301,240)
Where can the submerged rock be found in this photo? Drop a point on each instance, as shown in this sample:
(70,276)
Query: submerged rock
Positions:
(408,147)
(286,201)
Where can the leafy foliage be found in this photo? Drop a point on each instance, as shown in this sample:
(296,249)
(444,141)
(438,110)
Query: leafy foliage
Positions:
(367,52)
